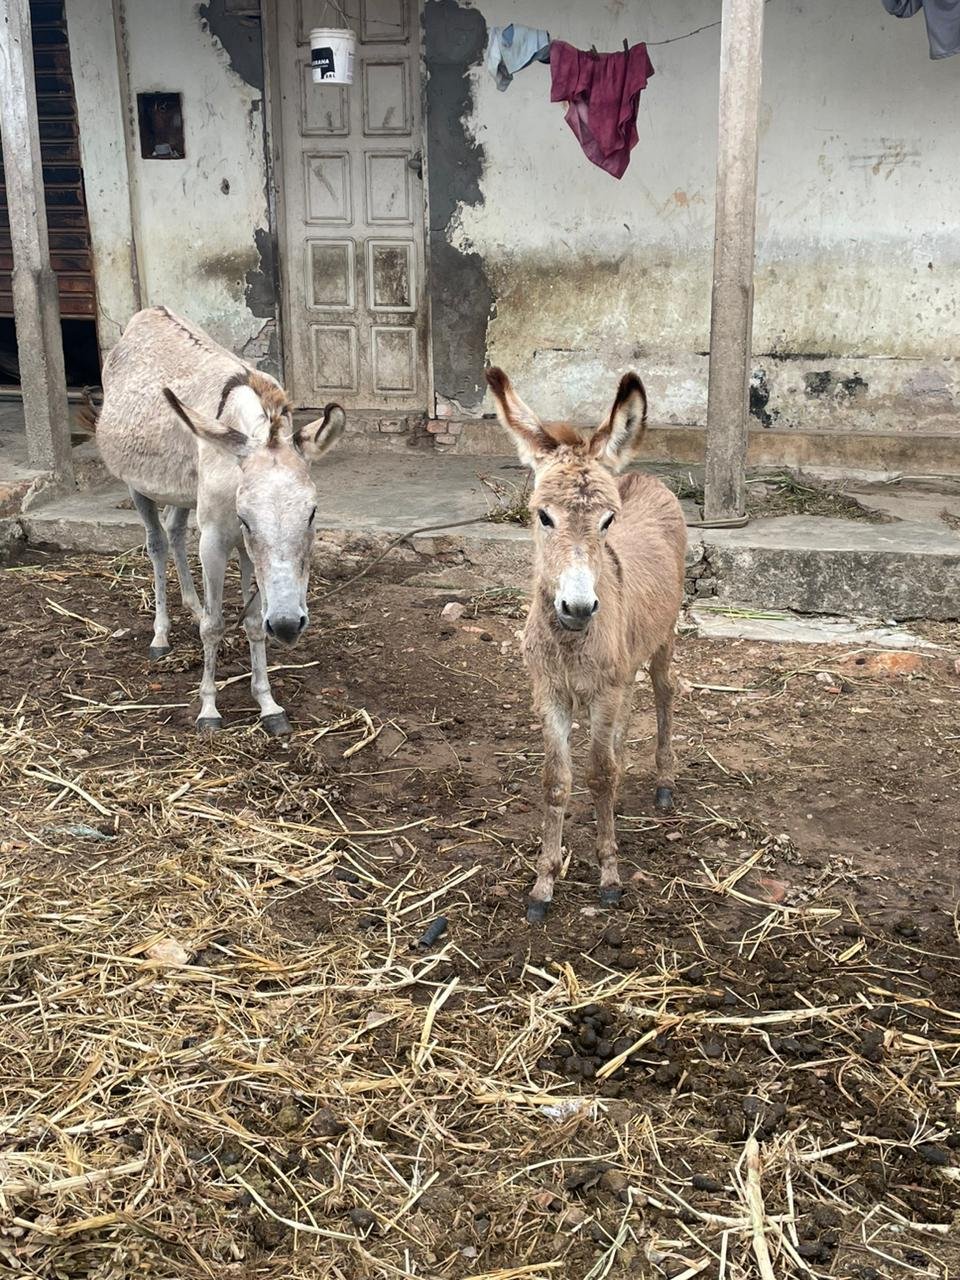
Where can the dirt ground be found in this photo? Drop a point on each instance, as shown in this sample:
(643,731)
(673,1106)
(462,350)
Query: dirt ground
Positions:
(224,1051)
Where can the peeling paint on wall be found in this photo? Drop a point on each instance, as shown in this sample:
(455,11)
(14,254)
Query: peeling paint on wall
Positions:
(263,349)
(260,291)
(240,37)
(460,294)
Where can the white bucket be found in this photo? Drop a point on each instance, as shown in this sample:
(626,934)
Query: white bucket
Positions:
(331,55)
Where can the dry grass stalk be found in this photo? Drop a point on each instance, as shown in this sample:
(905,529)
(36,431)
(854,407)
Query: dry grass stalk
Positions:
(754,1198)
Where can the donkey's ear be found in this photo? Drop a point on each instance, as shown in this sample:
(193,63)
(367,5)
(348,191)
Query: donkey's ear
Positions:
(316,438)
(519,421)
(212,430)
(618,437)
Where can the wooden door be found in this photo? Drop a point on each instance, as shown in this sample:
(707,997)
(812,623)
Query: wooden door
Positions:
(353,208)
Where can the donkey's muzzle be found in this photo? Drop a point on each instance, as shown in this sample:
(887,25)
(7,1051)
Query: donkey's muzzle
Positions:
(575,615)
(285,628)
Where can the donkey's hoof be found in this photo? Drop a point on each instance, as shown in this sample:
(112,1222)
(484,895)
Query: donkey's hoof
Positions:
(664,799)
(537,911)
(207,725)
(276,725)
(158,651)
(610,895)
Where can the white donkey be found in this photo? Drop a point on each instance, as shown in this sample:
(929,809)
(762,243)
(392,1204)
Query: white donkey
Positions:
(239,463)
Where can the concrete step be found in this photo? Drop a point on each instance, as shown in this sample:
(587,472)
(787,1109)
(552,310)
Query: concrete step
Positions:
(813,564)
(365,504)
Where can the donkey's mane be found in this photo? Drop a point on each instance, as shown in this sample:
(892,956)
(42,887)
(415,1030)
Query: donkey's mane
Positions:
(274,399)
(197,340)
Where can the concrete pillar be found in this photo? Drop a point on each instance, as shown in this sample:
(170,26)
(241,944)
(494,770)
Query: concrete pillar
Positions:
(100,85)
(36,305)
(731,316)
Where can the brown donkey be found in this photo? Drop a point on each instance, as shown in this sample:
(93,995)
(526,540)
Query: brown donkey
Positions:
(608,584)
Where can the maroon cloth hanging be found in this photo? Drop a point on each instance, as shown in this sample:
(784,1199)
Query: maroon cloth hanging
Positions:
(603,92)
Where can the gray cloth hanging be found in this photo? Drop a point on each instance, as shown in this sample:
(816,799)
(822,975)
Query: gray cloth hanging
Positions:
(512,48)
(943,22)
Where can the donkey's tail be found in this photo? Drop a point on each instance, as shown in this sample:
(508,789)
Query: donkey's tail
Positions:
(88,415)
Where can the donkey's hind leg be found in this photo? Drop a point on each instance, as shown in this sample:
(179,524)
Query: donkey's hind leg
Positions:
(157,546)
(175,520)
(663,697)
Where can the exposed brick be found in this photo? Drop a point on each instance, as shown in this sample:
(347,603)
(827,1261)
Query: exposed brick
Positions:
(446,438)
(393,425)
(437,428)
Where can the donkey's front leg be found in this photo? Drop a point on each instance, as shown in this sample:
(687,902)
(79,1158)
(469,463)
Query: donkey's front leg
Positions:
(663,697)
(273,718)
(557,777)
(603,778)
(157,546)
(214,550)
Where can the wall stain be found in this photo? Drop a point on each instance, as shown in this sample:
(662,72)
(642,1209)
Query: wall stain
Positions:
(892,154)
(231,267)
(760,398)
(818,383)
(852,386)
(461,298)
(788,355)
(683,199)
(824,382)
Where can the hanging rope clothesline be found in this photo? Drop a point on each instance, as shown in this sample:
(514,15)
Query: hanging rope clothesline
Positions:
(707,26)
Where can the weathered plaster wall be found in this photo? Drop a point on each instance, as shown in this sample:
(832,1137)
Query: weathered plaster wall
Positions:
(857,319)
(202,222)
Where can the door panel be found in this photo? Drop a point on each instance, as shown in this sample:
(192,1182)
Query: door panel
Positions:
(354,211)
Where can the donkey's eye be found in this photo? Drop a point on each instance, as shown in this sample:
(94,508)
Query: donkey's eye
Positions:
(607,521)
(545,520)
(313,516)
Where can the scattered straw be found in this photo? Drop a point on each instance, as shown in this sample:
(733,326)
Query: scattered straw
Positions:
(224,1056)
